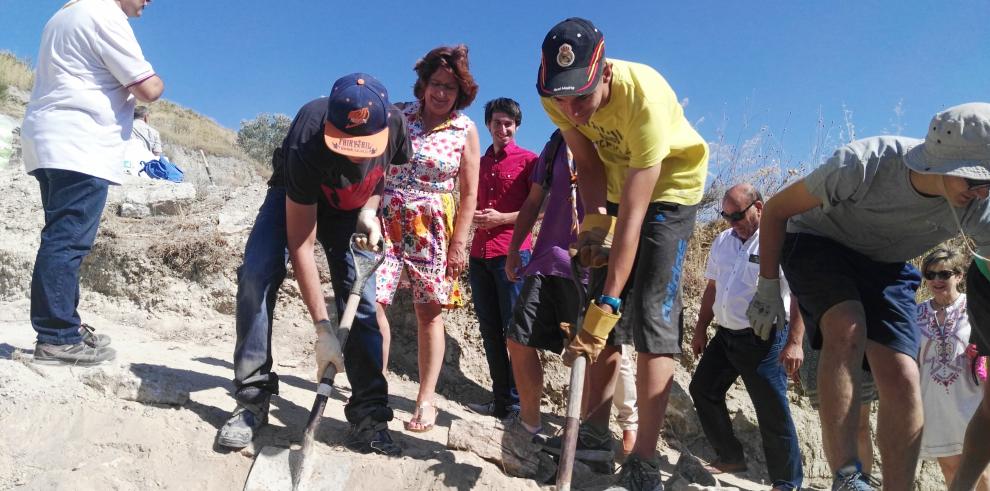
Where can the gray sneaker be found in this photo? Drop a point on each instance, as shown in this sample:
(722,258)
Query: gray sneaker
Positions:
(90,337)
(242,426)
(485,408)
(81,353)
(638,475)
(592,444)
(850,478)
(513,426)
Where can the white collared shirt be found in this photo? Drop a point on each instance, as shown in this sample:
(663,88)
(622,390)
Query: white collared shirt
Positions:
(81,113)
(734,265)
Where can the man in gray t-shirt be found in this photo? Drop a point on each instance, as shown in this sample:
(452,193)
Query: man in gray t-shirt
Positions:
(843,236)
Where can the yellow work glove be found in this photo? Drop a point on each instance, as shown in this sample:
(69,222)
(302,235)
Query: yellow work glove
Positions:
(590,340)
(594,240)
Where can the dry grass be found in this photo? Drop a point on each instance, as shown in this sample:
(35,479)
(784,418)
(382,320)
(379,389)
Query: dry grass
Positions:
(15,72)
(15,76)
(189,129)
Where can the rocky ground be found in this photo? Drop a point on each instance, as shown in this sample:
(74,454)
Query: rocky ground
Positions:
(161,282)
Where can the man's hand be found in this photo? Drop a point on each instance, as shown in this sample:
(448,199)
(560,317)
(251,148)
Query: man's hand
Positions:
(370,226)
(594,240)
(699,341)
(327,348)
(766,310)
(513,265)
(791,357)
(590,340)
(489,218)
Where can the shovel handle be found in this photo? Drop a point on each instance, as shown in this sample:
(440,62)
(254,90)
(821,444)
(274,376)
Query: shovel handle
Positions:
(568,448)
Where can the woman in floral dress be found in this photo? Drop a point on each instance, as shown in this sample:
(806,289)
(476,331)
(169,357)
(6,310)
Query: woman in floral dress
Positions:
(949,390)
(425,231)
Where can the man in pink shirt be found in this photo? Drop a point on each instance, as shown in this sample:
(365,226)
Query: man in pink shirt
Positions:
(503,184)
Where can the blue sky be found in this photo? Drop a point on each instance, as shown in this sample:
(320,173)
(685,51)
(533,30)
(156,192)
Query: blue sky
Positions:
(739,65)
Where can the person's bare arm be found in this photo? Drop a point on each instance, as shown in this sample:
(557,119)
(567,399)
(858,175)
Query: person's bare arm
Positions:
(792,200)
(792,355)
(149,89)
(590,171)
(301,234)
(528,214)
(468,189)
(705,316)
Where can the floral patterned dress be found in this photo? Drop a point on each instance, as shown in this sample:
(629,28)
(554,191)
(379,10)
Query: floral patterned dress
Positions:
(418,212)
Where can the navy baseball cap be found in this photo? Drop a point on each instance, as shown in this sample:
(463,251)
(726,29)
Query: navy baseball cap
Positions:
(357,117)
(573,59)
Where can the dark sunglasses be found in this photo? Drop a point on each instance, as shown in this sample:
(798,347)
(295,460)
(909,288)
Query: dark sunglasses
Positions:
(943,275)
(976,183)
(736,215)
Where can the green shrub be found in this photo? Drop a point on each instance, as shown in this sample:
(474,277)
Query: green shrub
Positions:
(260,136)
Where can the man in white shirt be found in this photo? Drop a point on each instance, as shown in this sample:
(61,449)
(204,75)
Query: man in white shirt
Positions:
(736,350)
(143,131)
(90,71)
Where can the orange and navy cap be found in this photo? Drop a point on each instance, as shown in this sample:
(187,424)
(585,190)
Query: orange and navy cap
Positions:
(357,117)
(573,59)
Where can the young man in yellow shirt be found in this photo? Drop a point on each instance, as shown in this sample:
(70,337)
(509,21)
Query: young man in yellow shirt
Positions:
(641,169)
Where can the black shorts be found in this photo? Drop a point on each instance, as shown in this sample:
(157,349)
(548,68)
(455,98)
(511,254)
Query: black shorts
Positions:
(978,307)
(543,303)
(652,309)
(823,273)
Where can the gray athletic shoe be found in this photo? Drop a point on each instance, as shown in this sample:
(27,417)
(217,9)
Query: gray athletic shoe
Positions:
(638,475)
(592,444)
(241,427)
(81,353)
(90,337)
(850,478)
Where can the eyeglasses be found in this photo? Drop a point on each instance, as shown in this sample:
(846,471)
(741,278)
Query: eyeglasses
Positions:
(943,275)
(441,86)
(736,215)
(975,184)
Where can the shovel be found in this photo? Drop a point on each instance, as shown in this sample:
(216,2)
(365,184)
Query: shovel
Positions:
(278,468)
(568,444)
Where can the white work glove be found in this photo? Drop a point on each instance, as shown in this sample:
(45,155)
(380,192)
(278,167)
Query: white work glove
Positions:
(327,348)
(369,225)
(766,310)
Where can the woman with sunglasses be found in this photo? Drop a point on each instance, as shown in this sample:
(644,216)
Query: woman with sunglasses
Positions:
(949,390)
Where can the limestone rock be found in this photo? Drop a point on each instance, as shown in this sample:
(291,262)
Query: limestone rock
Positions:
(516,455)
(147,384)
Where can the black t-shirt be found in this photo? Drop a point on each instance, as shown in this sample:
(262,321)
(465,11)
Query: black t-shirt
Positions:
(312,174)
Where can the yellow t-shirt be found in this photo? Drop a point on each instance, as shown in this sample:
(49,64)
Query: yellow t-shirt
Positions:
(643,125)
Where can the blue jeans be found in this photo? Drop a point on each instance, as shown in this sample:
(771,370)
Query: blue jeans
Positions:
(494,297)
(258,281)
(729,355)
(363,351)
(73,203)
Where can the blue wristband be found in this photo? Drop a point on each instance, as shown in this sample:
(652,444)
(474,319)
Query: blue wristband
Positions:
(613,302)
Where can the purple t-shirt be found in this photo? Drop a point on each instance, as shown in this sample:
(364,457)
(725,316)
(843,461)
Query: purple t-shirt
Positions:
(550,257)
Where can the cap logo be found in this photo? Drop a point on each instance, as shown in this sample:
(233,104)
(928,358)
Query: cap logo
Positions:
(358,117)
(565,55)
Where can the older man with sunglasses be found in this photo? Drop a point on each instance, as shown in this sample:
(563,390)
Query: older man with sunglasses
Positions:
(843,235)
(736,351)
